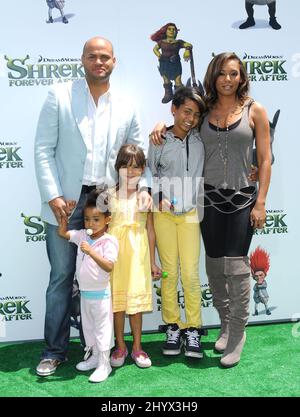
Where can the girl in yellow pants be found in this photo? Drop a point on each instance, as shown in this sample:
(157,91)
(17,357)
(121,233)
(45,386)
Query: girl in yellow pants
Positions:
(177,166)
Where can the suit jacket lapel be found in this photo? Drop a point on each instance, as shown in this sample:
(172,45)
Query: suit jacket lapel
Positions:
(78,97)
(114,124)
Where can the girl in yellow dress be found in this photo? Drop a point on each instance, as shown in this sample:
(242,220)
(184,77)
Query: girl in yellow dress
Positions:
(131,277)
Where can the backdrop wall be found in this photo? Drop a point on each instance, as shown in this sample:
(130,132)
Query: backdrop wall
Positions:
(35,54)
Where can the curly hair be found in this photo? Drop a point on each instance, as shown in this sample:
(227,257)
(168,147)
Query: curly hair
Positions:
(99,198)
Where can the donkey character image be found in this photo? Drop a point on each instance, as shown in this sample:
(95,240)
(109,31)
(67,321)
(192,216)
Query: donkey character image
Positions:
(249,5)
(56,4)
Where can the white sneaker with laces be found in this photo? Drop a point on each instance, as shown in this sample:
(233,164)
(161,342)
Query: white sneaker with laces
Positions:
(192,344)
(172,345)
(91,362)
(103,370)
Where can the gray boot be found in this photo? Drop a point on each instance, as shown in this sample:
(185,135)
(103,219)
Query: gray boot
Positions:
(237,270)
(218,286)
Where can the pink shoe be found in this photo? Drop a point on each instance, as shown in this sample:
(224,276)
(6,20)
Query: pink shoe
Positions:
(141,359)
(118,357)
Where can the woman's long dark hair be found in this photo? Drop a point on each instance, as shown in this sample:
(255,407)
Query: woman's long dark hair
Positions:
(212,73)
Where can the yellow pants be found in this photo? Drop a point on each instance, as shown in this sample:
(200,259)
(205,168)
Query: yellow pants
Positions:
(178,243)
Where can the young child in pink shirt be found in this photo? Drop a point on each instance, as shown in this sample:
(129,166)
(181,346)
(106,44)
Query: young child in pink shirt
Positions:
(96,255)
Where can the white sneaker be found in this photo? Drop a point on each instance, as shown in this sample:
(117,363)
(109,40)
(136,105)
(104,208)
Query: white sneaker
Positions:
(101,373)
(90,363)
(103,370)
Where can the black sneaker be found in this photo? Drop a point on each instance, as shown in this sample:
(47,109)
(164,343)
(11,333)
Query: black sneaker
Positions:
(172,345)
(192,344)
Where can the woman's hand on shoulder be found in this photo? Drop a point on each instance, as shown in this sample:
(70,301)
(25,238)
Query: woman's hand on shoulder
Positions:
(158,133)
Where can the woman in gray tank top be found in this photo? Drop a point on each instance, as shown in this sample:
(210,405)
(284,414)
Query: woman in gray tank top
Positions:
(232,205)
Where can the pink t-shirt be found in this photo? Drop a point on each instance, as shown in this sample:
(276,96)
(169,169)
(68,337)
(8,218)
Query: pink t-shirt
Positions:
(89,274)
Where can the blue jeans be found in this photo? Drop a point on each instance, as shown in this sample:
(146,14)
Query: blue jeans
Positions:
(62,258)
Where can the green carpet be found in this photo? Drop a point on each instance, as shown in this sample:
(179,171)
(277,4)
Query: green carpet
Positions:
(269,368)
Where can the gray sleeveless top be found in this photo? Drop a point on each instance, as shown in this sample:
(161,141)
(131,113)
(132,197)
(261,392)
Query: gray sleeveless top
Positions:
(228,189)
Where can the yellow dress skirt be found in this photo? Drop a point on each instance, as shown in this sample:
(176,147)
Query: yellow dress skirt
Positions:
(131,279)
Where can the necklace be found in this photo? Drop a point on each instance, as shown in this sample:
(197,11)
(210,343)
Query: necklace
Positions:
(223,155)
(223,150)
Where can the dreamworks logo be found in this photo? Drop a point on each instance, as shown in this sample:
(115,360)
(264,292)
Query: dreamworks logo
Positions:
(10,155)
(27,72)
(265,67)
(35,230)
(13,308)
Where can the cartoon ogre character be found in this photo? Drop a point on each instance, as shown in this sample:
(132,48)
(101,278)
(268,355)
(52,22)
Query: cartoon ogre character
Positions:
(167,51)
(249,5)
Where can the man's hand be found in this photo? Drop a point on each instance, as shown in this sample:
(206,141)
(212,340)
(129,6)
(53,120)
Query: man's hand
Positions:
(59,207)
(71,204)
(253,176)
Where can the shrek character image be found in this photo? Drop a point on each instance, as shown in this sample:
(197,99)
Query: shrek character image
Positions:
(167,50)
(260,265)
(249,5)
(56,4)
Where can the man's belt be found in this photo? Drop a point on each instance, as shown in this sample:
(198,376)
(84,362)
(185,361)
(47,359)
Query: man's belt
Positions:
(85,189)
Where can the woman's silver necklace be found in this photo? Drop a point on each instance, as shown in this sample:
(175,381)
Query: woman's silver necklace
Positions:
(224,154)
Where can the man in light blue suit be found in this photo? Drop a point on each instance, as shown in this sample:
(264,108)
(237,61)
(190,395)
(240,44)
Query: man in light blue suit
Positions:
(81,128)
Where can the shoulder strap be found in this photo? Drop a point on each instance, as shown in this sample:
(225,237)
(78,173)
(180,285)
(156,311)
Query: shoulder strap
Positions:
(248,104)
